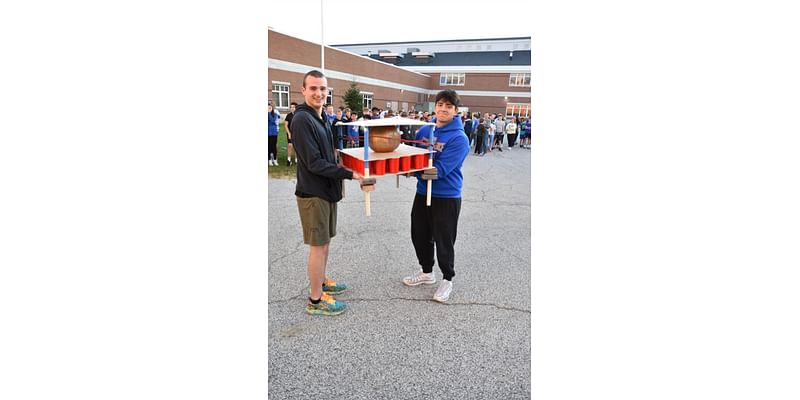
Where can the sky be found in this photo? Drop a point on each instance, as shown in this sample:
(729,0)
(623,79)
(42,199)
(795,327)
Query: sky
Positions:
(360,21)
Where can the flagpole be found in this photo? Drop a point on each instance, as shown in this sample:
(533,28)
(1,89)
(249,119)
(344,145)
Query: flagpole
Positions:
(322,36)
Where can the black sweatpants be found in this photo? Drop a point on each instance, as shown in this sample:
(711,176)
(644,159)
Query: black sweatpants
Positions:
(437,224)
(478,145)
(273,147)
(512,139)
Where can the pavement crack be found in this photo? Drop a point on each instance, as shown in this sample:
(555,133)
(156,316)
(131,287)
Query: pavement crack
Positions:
(502,307)
(279,258)
(297,297)
(426,300)
(498,306)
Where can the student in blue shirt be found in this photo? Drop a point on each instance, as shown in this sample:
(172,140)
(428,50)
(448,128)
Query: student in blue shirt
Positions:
(273,135)
(435,227)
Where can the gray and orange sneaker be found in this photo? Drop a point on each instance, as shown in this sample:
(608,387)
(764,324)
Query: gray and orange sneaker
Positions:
(327,306)
(330,286)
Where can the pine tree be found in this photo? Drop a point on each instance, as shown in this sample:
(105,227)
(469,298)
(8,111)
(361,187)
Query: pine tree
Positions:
(353,98)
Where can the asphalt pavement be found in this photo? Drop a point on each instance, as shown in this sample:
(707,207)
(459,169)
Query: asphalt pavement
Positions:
(395,342)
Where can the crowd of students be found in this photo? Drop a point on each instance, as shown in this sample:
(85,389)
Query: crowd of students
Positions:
(486,131)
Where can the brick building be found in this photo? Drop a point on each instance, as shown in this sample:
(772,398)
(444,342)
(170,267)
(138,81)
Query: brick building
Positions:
(490,75)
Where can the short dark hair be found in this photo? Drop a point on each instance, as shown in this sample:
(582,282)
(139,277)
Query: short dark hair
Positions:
(449,96)
(314,73)
(294,103)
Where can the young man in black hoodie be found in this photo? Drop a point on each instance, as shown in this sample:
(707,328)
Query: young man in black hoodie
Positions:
(319,188)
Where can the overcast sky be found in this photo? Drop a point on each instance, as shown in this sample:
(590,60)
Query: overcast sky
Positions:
(361,21)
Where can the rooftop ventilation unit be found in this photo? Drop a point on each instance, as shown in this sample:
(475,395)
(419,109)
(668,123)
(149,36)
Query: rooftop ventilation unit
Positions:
(422,57)
(390,55)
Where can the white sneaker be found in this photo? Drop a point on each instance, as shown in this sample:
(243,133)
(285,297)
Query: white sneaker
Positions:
(419,278)
(443,292)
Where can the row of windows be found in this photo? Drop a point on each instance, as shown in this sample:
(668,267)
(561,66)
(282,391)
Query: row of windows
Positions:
(519,80)
(280,91)
(451,79)
(458,79)
(280,96)
(280,99)
(520,109)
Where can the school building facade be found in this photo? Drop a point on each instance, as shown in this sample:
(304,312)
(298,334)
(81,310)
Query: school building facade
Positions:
(490,75)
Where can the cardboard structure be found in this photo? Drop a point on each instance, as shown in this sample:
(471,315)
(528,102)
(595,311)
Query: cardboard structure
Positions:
(402,160)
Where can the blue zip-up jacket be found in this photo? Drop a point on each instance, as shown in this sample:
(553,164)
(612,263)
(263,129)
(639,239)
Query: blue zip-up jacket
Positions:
(273,123)
(448,161)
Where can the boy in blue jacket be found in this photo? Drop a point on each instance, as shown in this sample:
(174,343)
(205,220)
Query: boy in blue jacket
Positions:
(435,227)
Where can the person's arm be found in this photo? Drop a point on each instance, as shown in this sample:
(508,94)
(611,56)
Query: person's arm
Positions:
(452,157)
(286,126)
(307,149)
(424,134)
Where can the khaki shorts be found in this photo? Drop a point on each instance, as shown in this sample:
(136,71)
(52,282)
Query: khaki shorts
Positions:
(318,217)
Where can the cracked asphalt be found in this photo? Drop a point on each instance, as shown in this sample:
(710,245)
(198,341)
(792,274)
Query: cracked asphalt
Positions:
(394,342)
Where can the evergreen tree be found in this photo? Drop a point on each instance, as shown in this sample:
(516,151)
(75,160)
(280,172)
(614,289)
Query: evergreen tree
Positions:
(353,98)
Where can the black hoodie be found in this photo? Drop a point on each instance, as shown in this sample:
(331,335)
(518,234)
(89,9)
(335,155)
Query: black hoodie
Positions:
(318,173)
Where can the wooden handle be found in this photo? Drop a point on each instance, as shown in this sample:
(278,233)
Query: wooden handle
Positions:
(430,184)
(366,194)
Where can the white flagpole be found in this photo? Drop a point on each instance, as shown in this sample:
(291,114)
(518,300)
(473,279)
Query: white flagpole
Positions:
(322,36)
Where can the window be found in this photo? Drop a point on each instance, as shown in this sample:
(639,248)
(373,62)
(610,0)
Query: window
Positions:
(280,95)
(329,100)
(451,79)
(520,109)
(523,80)
(367,97)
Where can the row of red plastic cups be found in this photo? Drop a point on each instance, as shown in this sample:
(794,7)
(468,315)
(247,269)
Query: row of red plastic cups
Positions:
(394,165)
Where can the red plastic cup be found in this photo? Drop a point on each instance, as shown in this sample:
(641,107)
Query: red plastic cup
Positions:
(393,165)
(420,160)
(405,163)
(377,167)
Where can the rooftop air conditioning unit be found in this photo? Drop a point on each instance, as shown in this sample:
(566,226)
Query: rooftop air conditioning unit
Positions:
(389,56)
(422,57)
